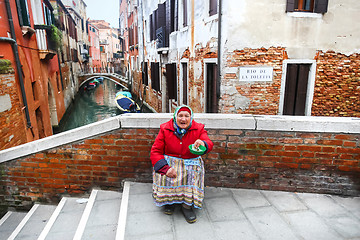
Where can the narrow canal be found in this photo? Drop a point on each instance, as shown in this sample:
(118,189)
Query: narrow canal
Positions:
(90,106)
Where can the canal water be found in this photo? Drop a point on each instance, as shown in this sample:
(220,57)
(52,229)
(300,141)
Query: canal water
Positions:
(90,106)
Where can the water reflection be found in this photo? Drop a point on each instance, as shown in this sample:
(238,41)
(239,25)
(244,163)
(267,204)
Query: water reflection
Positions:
(90,106)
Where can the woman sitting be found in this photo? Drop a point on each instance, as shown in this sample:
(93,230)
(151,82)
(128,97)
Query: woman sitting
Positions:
(178,176)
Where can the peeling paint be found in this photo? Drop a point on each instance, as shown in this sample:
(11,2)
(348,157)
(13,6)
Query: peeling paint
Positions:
(241,102)
(197,70)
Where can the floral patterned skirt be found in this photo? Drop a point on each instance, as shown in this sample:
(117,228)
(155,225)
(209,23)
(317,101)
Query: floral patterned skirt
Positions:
(187,187)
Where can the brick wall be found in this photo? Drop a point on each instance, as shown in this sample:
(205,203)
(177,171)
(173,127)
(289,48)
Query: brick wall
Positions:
(12,130)
(337,86)
(299,161)
(261,97)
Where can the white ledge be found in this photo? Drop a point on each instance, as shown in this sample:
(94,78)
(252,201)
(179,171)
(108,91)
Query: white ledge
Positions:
(63,138)
(304,15)
(308,124)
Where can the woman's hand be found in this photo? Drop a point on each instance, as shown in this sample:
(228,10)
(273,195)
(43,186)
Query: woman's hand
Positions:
(171,173)
(198,142)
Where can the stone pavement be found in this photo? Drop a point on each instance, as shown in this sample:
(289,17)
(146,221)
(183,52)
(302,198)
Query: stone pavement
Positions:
(246,214)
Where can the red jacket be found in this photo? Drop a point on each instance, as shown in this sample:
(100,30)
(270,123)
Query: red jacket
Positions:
(167,143)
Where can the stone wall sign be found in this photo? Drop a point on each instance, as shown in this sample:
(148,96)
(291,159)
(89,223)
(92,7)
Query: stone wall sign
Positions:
(249,74)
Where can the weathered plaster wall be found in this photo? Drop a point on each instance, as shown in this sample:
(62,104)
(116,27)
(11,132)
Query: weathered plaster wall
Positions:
(253,30)
(256,24)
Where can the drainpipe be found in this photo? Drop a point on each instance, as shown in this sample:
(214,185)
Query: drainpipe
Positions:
(218,83)
(17,61)
(143,52)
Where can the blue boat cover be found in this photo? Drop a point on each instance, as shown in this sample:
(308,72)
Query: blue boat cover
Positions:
(126,104)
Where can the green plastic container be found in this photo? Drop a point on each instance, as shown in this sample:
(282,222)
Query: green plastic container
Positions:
(198,151)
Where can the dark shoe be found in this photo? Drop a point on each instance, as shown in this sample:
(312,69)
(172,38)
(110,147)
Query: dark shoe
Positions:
(189,215)
(169,209)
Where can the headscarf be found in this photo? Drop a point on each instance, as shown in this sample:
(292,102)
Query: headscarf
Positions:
(180,132)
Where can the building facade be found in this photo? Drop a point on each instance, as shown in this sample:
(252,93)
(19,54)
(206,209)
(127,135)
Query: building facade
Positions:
(77,9)
(37,54)
(256,57)
(109,46)
(94,49)
(32,86)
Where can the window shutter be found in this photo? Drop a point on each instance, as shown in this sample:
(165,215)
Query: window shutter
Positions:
(155,24)
(145,73)
(176,16)
(152,75)
(185,13)
(290,89)
(168,22)
(290,5)
(172,15)
(321,6)
(151,27)
(213,7)
(161,15)
(23,12)
(155,80)
(300,101)
(171,81)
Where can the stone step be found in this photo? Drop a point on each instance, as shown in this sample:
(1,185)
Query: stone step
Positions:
(65,219)
(33,223)
(102,221)
(96,217)
(9,222)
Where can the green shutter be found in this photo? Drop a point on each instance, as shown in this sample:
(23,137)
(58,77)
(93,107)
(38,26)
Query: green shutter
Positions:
(23,12)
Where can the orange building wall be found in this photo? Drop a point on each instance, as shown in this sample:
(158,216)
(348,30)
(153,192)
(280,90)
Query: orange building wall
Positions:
(36,73)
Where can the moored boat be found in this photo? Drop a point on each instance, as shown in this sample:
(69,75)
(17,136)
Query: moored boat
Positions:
(125,103)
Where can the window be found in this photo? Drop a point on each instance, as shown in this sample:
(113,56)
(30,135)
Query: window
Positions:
(171,81)
(145,73)
(213,7)
(23,12)
(151,27)
(161,26)
(185,10)
(48,15)
(171,16)
(155,76)
(316,6)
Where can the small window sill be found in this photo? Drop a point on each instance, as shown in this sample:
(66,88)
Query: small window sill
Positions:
(184,29)
(46,54)
(211,18)
(304,15)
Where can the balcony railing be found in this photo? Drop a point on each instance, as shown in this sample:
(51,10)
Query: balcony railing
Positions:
(47,46)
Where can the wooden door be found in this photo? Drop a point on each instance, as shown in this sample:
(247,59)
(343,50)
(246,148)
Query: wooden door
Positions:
(296,86)
(211,103)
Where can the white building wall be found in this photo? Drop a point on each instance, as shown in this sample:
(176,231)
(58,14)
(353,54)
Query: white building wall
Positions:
(264,23)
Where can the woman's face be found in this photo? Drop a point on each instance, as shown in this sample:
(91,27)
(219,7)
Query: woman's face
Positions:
(183,119)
